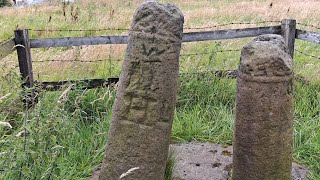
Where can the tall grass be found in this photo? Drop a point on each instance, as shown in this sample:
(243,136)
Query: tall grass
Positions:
(67,139)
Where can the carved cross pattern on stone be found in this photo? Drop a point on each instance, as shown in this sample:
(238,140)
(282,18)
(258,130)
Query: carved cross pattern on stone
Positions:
(142,104)
(152,52)
(139,133)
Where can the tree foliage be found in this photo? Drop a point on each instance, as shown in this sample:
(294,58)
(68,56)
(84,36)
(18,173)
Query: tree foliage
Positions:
(4,3)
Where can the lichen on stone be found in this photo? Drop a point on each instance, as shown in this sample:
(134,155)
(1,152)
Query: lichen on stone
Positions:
(266,56)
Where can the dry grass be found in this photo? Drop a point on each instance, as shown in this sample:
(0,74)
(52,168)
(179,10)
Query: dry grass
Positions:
(110,13)
(102,14)
(117,14)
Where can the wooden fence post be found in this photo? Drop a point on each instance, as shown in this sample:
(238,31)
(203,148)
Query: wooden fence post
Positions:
(288,31)
(25,65)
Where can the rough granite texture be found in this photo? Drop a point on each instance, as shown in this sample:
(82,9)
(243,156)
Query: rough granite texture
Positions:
(264,112)
(140,130)
(206,161)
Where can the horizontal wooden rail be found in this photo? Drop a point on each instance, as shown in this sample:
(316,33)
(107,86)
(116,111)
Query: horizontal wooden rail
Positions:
(6,48)
(77,41)
(87,84)
(309,36)
(94,83)
(187,37)
(230,34)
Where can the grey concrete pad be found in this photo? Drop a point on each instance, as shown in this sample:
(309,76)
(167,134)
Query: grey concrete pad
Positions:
(205,161)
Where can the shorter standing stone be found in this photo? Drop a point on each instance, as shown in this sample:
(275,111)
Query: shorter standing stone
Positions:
(264,112)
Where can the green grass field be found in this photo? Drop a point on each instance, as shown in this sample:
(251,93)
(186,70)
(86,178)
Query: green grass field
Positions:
(68,129)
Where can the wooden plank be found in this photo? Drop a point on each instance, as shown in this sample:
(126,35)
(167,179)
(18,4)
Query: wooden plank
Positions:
(25,65)
(6,48)
(77,41)
(309,36)
(288,32)
(84,84)
(230,34)
(188,37)
(94,83)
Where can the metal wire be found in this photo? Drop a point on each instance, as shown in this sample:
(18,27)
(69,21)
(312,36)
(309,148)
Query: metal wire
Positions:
(309,25)
(233,23)
(105,60)
(5,64)
(68,60)
(313,56)
(127,29)
(8,39)
(207,53)
(79,30)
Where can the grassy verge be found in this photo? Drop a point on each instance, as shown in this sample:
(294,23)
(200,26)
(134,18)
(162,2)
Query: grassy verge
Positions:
(67,134)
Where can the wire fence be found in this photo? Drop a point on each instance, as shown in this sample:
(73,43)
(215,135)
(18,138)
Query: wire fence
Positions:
(128,29)
(309,25)
(202,53)
(186,28)
(104,60)
(182,55)
(232,23)
(212,52)
(308,55)
(79,30)
(6,40)
(71,61)
(225,73)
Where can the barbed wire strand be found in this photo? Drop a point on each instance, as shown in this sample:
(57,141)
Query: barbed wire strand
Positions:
(79,30)
(233,23)
(309,25)
(104,60)
(127,29)
(68,60)
(310,55)
(208,53)
(6,40)
(6,63)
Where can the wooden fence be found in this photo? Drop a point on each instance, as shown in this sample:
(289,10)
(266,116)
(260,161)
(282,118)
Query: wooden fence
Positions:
(23,45)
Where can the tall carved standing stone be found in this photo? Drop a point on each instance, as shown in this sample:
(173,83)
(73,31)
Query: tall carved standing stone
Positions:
(264,112)
(139,135)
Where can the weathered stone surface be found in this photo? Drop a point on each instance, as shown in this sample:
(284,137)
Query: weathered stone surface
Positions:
(264,112)
(140,130)
(265,56)
(201,161)
(205,161)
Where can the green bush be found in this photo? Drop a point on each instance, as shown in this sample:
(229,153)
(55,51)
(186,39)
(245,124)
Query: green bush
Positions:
(4,3)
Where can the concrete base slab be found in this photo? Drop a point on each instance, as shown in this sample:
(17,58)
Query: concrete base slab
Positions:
(205,161)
